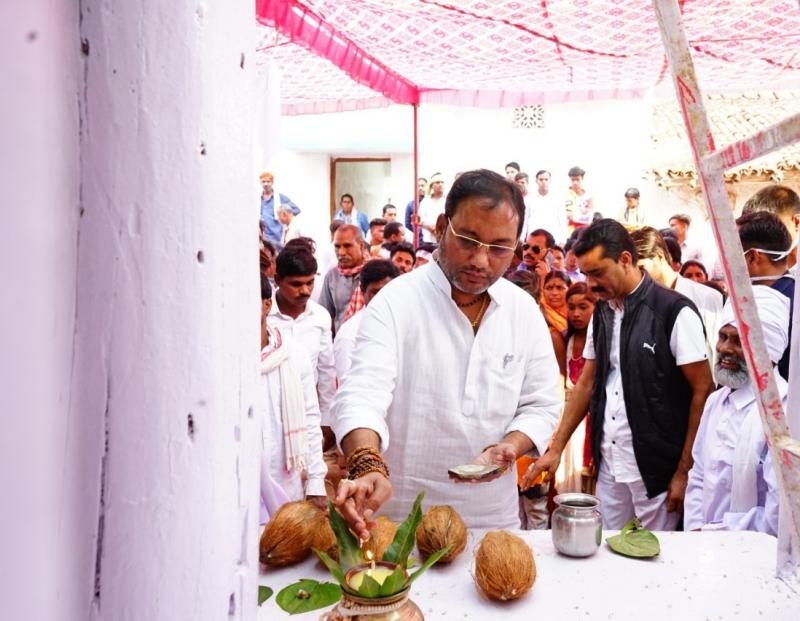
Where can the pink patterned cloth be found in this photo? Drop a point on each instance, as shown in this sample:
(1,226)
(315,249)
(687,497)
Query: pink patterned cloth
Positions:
(509,53)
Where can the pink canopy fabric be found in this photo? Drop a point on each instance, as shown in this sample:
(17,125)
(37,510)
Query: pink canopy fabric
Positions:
(351,54)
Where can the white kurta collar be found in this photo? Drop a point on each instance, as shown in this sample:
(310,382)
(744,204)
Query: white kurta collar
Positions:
(745,396)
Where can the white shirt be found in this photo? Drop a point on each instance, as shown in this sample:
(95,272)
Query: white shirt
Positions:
(691,252)
(632,217)
(708,494)
(437,395)
(290,231)
(312,330)
(292,482)
(687,345)
(344,342)
(709,303)
(545,212)
(326,260)
(429,210)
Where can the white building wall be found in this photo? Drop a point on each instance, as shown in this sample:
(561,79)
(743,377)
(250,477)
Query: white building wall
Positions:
(610,140)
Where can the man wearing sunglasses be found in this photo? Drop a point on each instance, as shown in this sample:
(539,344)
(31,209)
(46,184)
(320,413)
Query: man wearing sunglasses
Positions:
(534,252)
(484,392)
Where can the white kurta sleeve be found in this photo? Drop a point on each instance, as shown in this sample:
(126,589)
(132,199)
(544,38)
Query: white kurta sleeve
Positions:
(365,394)
(540,399)
(693,500)
(762,519)
(326,371)
(316,468)
(343,349)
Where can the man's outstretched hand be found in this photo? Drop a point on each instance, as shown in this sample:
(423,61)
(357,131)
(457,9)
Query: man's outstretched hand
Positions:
(358,500)
(547,463)
(503,455)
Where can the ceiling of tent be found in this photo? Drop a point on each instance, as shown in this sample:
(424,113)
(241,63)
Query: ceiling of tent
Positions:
(351,54)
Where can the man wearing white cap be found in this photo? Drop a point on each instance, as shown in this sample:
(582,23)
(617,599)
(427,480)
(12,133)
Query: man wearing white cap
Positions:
(732,484)
(431,207)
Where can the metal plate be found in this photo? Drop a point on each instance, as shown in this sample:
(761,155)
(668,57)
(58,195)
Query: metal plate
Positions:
(471,472)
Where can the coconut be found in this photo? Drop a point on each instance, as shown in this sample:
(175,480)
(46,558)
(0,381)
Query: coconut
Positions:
(504,566)
(441,527)
(325,540)
(381,536)
(288,536)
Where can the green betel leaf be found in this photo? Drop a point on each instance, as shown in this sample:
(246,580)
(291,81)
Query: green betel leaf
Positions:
(333,566)
(308,595)
(635,541)
(264,593)
(395,583)
(430,561)
(350,553)
(404,539)
(369,587)
(633,524)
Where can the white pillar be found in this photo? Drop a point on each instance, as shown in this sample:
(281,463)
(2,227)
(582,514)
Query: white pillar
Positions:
(39,196)
(135,320)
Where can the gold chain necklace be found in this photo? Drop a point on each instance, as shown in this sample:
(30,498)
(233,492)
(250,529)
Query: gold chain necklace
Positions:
(478,318)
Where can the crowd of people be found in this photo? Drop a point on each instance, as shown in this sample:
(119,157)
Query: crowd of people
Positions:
(497,324)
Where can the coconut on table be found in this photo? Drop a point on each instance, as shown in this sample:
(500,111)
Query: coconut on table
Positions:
(728,575)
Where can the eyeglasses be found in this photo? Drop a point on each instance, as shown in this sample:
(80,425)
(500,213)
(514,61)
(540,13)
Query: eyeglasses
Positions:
(468,244)
(536,249)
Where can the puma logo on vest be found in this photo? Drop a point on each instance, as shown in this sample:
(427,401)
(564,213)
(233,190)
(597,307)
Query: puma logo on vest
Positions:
(652,347)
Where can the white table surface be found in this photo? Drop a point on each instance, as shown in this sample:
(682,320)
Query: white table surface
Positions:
(698,575)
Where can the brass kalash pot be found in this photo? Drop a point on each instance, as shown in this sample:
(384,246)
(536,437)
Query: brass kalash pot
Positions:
(395,607)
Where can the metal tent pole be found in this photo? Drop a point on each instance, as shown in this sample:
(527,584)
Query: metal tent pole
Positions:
(415,220)
(710,167)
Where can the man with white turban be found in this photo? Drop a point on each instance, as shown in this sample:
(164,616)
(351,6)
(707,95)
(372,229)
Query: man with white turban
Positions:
(732,484)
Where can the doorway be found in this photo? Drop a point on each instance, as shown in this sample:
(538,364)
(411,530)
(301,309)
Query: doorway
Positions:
(366,178)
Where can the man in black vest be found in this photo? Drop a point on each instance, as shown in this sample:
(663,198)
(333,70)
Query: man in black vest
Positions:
(645,382)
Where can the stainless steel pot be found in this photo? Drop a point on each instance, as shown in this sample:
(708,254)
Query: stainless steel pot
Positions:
(577,524)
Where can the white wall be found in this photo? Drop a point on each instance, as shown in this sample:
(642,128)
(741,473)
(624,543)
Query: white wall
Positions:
(130,301)
(47,555)
(165,390)
(305,178)
(610,140)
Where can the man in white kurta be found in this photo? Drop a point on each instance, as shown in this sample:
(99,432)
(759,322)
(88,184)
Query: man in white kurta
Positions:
(449,360)
(292,481)
(312,330)
(437,395)
(291,433)
(546,210)
(732,484)
(376,274)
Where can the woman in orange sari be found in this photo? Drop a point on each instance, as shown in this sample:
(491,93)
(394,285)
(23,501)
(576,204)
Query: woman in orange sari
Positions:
(554,300)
